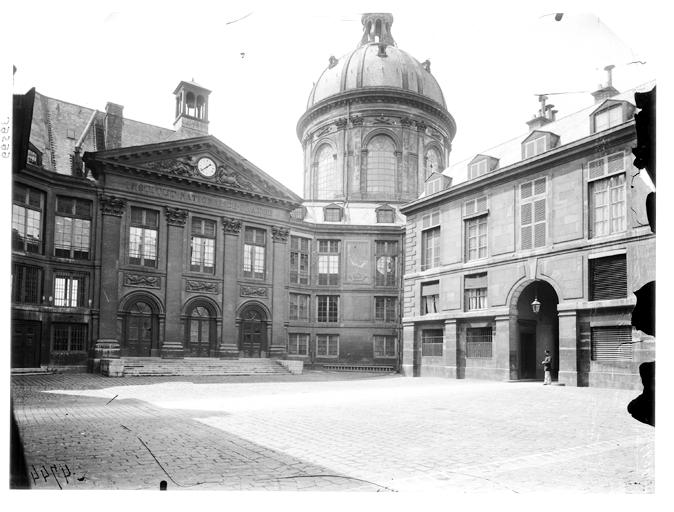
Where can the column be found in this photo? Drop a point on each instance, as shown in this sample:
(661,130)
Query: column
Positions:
(568,343)
(229,343)
(172,345)
(108,344)
(408,347)
(450,350)
(279,301)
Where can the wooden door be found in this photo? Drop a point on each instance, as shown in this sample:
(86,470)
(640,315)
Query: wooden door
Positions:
(200,333)
(528,355)
(26,341)
(140,330)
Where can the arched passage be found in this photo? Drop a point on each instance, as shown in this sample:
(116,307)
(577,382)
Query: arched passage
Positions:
(535,332)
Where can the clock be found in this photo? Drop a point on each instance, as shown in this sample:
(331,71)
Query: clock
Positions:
(206,167)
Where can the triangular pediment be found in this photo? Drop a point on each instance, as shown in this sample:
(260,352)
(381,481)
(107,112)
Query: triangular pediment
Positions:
(608,103)
(201,161)
(537,133)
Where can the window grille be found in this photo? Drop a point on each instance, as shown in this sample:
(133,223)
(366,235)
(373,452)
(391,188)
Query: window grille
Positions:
(479,342)
(431,342)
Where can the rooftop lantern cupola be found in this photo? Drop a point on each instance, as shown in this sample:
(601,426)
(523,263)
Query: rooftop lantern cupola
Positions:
(377,30)
(191,109)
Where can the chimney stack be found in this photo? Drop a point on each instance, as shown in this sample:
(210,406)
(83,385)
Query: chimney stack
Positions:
(114,121)
(544,115)
(607,90)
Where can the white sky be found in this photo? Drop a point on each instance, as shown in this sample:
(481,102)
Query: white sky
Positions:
(488,59)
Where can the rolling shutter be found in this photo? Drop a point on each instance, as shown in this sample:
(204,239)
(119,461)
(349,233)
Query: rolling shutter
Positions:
(612,343)
(608,278)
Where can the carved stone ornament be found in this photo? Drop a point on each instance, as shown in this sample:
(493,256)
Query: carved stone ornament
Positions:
(192,285)
(321,132)
(228,176)
(176,216)
(111,205)
(279,234)
(183,166)
(142,280)
(253,291)
(231,226)
(356,120)
(382,120)
(406,121)
(341,123)
(421,126)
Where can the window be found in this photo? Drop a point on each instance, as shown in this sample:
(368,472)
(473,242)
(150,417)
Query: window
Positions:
(299,260)
(27,208)
(328,179)
(328,262)
(143,237)
(254,253)
(433,162)
(608,118)
(384,346)
(26,284)
(385,309)
(200,325)
(608,277)
(430,241)
(479,342)
(332,214)
(433,186)
(69,290)
(535,146)
(73,228)
(327,308)
(478,169)
(202,258)
(381,165)
(475,289)
(299,306)
(607,195)
(298,344)
(476,229)
(431,342)
(533,213)
(430,298)
(613,343)
(385,215)
(386,263)
(327,345)
(69,337)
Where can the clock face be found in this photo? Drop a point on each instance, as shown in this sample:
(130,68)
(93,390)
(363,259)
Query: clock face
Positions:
(206,167)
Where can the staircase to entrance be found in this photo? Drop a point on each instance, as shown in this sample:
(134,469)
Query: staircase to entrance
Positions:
(149,366)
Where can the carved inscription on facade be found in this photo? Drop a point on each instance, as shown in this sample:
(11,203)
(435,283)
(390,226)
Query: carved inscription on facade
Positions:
(192,285)
(253,291)
(142,280)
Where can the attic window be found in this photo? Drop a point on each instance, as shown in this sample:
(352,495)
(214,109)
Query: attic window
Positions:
(385,215)
(608,118)
(332,213)
(535,146)
(33,157)
(433,186)
(477,169)
(298,213)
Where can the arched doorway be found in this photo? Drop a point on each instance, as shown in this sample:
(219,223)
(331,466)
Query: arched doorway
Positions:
(536,332)
(200,330)
(141,326)
(253,332)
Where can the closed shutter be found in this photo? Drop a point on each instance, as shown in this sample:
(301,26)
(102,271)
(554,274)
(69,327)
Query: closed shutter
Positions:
(608,278)
(475,281)
(526,221)
(613,343)
(539,220)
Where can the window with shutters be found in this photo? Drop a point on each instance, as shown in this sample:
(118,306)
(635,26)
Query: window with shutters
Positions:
(298,344)
(608,210)
(327,309)
(430,298)
(27,208)
(433,186)
(299,306)
(384,346)
(612,343)
(328,262)
(608,277)
(299,260)
(478,169)
(327,345)
(475,291)
(533,213)
(385,309)
(479,342)
(69,289)
(535,146)
(69,337)
(608,118)
(72,230)
(430,241)
(254,246)
(26,284)
(202,258)
(386,263)
(432,341)
(143,237)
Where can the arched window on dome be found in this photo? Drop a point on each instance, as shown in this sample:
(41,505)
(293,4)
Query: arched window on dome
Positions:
(381,166)
(433,162)
(328,180)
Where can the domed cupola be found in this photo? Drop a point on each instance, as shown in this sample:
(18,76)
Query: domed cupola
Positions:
(376,123)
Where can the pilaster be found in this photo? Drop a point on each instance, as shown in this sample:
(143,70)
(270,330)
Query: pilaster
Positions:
(568,348)
(277,343)
(229,345)
(172,345)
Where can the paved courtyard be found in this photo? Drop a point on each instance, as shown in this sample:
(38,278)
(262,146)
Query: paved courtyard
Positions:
(329,431)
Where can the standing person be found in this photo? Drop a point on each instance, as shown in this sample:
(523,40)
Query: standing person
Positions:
(547,363)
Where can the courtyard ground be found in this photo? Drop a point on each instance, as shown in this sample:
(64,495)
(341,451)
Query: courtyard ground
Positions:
(329,431)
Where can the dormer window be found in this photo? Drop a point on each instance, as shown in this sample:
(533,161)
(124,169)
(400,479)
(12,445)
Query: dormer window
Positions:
(608,115)
(333,213)
(33,158)
(538,142)
(433,186)
(436,182)
(385,215)
(481,165)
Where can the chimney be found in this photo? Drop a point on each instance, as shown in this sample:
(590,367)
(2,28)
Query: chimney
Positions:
(544,115)
(114,121)
(607,90)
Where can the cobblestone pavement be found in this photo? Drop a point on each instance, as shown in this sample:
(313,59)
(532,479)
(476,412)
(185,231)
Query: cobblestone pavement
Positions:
(328,431)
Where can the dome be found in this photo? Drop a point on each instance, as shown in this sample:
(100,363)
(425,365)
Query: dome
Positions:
(377,62)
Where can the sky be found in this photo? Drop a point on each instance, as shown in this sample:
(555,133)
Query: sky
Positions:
(260,60)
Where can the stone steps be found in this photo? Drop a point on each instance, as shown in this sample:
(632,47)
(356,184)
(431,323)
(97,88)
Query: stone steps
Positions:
(200,366)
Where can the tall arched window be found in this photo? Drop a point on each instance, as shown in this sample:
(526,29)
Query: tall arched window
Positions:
(328,180)
(200,330)
(140,325)
(381,165)
(433,162)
